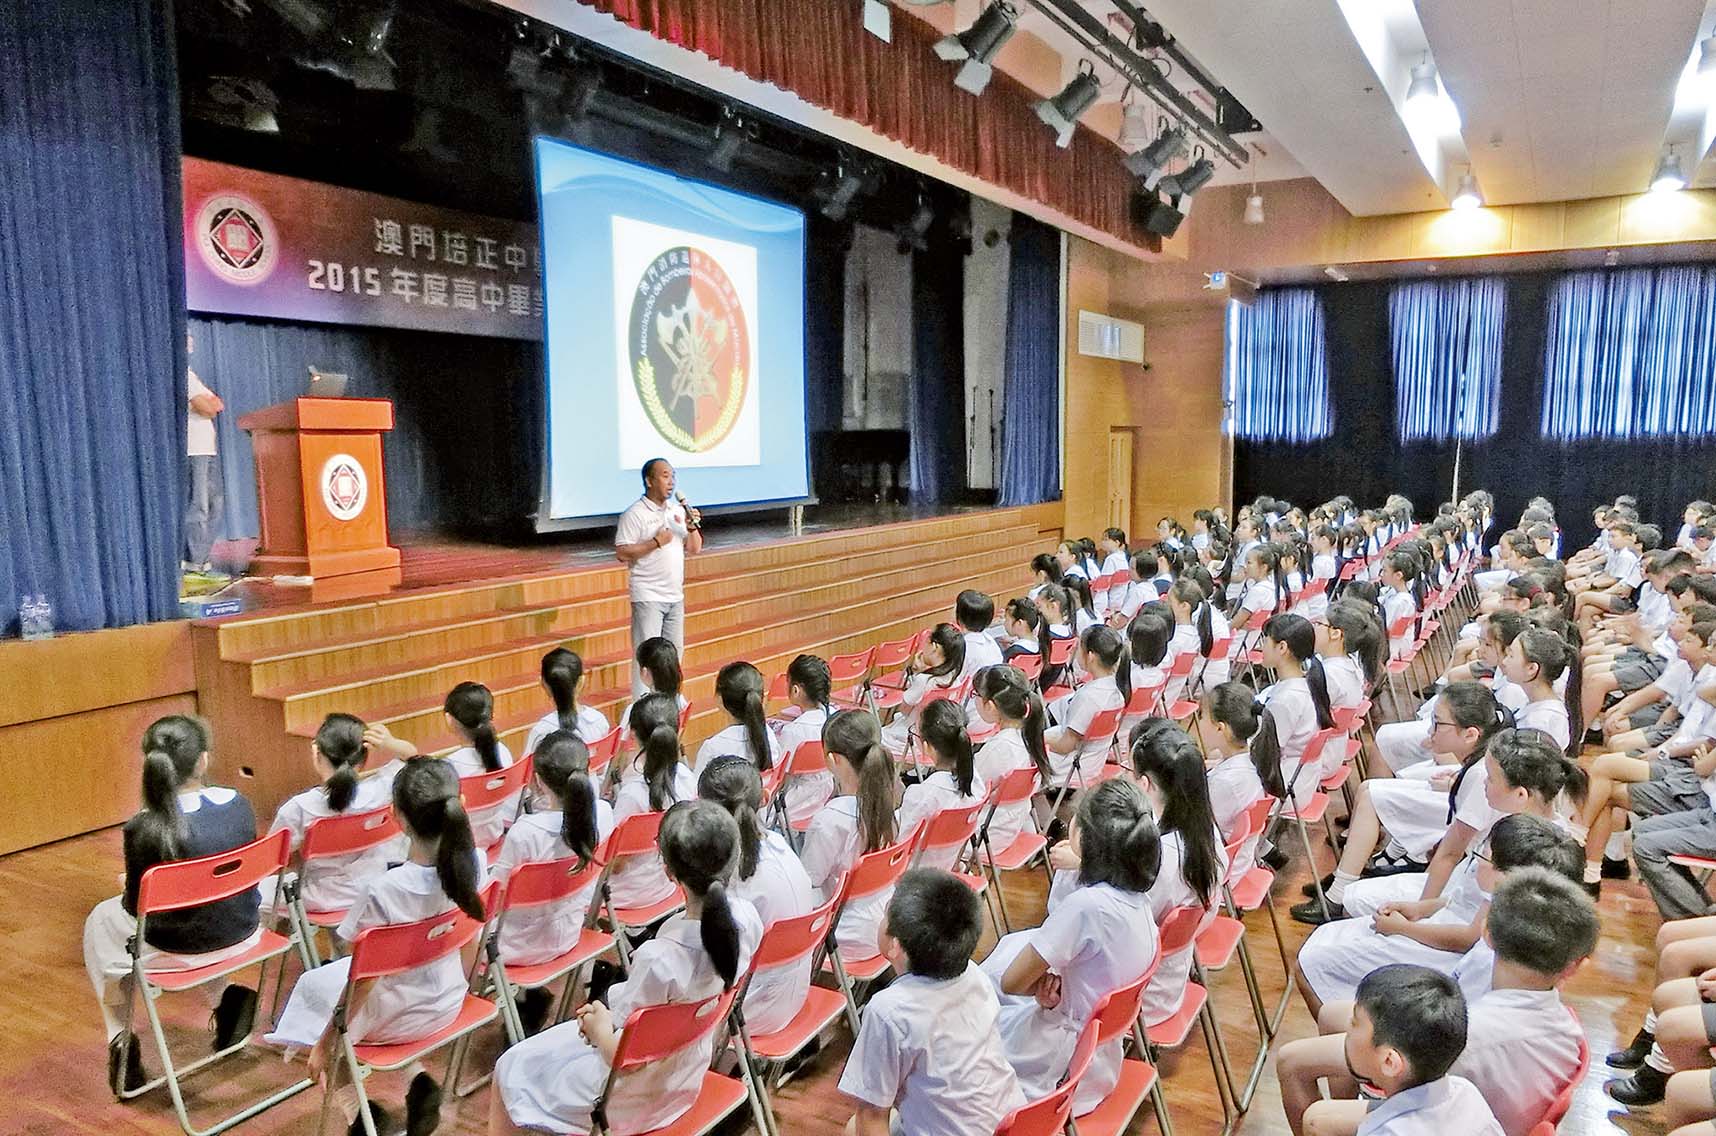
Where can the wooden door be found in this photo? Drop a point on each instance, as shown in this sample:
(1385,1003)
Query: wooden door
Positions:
(1121,443)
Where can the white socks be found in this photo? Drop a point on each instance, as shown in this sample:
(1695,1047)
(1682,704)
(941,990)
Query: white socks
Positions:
(1616,848)
(1593,871)
(1338,890)
(1658,1060)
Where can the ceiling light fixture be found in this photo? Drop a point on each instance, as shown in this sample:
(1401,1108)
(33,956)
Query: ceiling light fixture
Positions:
(1467,195)
(1254,203)
(1151,163)
(1064,110)
(1424,90)
(977,45)
(1668,177)
(1134,122)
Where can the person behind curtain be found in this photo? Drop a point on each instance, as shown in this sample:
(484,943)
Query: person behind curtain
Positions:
(202,468)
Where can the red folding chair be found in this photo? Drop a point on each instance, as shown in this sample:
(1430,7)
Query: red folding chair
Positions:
(604,749)
(1184,706)
(685,715)
(807,757)
(1256,889)
(532,887)
(1117,1016)
(178,886)
(487,792)
(1097,738)
(1558,1108)
(846,675)
(779,687)
(1060,659)
(396,949)
(1216,946)
(1030,665)
(634,836)
(785,943)
(874,872)
(1139,705)
(1015,787)
(330,837)
(956,827)
(655,1033)
(1178,931)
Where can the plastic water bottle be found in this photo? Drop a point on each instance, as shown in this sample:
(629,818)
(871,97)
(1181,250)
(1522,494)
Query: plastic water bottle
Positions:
(44,617)
(35,617)
(26,617)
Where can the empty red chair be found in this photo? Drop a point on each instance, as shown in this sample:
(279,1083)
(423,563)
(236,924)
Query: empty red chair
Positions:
(846,675)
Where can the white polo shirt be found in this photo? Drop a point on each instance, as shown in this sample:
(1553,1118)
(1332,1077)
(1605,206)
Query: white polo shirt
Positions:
(659,576)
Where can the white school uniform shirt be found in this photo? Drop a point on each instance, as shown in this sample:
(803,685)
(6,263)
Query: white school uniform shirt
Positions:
(642,880)
(980,651)
(1322,568)
(1084,619)
(805,794)
(336,882)
(929,1048)
(1260,595)
(1184,641)
(1398,605)
(490,824)
(1522,1049)
(928,797)
(1449,1104)
(1548,715)
(1295,716)
(1117,563)
(1100,939)
(733,742)
(1625,566)
(1344,675)
(1234,787)
(591,727)
(1167,987)
(530,935)
(1507,692)
(1138,593)
(1655,610)
(1086,703)
(997,757)
(550,1081)
(831,846)
(778,889)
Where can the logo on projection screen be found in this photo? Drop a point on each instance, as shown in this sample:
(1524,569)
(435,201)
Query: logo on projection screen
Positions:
(345,487)
(236,238)
(689,348)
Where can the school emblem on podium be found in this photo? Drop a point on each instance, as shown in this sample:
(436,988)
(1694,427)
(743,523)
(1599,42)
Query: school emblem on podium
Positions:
(236,238)
(345,487)
(689,351)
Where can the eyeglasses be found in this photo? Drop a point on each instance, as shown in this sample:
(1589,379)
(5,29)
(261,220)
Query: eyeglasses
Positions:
(1438,723)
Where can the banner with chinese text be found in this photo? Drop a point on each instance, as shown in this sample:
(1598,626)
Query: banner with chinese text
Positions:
(258,244)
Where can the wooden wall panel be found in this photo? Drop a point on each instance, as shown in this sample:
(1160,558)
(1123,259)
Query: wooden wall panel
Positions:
(67,674)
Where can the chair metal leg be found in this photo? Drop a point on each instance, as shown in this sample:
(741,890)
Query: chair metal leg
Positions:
(1219,1066)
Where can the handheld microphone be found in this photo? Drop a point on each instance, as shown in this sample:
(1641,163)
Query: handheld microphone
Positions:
(690,525)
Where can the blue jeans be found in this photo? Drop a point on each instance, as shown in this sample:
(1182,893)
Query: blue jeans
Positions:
(649,619)
(203,510)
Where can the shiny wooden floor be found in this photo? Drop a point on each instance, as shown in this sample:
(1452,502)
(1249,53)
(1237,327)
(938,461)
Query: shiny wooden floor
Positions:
(52,1057)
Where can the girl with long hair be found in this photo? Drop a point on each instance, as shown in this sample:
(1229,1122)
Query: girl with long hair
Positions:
(859,819)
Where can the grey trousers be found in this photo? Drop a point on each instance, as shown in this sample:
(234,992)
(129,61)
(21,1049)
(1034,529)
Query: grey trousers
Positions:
(1655,839)
(649,619)
(203,510)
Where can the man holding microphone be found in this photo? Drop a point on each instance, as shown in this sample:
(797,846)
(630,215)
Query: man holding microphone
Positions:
(652,539)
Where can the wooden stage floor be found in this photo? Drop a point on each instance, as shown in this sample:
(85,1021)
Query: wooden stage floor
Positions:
(53,1060)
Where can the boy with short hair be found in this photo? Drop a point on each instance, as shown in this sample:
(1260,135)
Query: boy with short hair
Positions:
(974,611)
(936,1021)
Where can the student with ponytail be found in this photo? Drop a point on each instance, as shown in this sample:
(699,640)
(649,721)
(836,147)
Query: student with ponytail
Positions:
(809,688)
(1027,632)
(1402,586)
(567,821)
(1535,661)
(1194,633)
(1103,937)
(953,784)
(444,870)
(859,819)
(659,671)
(740,688)
(1297,704)
(183,817)
(550,1082)
(1236,780)
(1103,655)
(1006,698)
(1351,647)
(652,781)
(938,666)
(772,879)
(562,676)
(470,713)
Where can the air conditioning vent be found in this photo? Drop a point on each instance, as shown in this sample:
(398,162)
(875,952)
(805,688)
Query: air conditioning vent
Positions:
(1106,337)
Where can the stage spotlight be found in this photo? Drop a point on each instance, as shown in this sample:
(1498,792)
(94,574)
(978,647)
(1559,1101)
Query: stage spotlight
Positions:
(838,192)
(1156,215)
(1151,163)
(913,234)
(978,45)
(1254,208)
(1189,180)
(729,137)
(1669,177)
(1064,110)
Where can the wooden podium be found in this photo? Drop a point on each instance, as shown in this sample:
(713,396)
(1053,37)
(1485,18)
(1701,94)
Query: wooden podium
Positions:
(320,481)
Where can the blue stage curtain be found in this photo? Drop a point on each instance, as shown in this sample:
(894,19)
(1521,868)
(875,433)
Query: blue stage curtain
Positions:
(1031,394)
(92,355)
(937,421)
(465,452)
(1277,375)
(1447,347)
(1631,354)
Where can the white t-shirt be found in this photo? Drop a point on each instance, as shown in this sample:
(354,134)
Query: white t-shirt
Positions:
(335,882)
(199,428)
(928,798)
(1294,713)
(999,756)
(490,824)
(734,742)
(657,576)
(778,889)
(832,845)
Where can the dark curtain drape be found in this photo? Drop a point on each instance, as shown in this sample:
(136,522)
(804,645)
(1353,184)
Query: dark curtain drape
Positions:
(826,245)
(818,49)
(92,357)
(1364,459)
(465,452)
(937,413)
(1030,395)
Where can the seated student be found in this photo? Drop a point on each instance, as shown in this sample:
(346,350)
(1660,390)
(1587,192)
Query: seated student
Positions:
(1402,599)
(857,821)
(551,1081)
(975,611)
(1046,569)
(1408,1028)
(1247,535)
(650,781)
(939,666)
(1006,699)
(1690,518)
(1069,555)
(1616,576)
(1265,589)
(1084,613)
(1522,1041)
(1103,655)
(1325,566)
(1147,645)
(1435,805)
(809,688)
(659,671)
(1089,556)
(1024,630)
(182,818)
(1627,724)
(928,1050)
(567,821)
(1292,574)
(1138,589)
(1237,779)
(444,870)
(1630,652)
(953,783)
(740,689)
(772,879)
(340,753)
(562,675)
(1525,774)
(469,710)
(1112,546)
(1297,703)
(1101,938)
(1351,648)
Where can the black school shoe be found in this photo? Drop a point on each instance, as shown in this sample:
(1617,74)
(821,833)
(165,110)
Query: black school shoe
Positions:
(1309,891)
(234,1016)
(1275,859)
(1312,912)
(533,1008)
(422,1106)
(134,1078)
(1645,1086)
(378,1115)
(1617,869)
(1382,865)
(1633,1055)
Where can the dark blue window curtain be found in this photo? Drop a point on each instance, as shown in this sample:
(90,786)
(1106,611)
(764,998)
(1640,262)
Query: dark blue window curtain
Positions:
(1277,373)
(1446,337)
(1631,353)
(92,354)
(1031,383)
(937,421)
